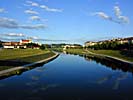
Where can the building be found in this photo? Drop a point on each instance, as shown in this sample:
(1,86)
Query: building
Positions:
(22,44)
(90,43)
(12,45)
(36,47)
(25,41)
(118,40)
(122,41)
(130,40)
(72,46)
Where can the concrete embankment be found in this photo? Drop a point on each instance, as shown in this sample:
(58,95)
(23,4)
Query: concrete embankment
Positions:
(3,72)
(111,57)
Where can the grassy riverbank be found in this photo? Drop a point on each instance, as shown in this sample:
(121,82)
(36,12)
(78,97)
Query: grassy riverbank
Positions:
(57,49)
(6,54)
(17,57)
(114,53)
(76,51)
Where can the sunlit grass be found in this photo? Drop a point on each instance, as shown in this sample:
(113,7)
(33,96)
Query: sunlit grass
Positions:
(6,54)
(76,51)
(57,49)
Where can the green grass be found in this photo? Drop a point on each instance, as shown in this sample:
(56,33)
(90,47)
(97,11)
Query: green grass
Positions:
(18,57)
(31,59)
(57,49)
(6,54)
(114,53)
(75,51)
(4,67)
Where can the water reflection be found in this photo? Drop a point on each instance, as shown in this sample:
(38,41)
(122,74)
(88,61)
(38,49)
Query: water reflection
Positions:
(2,85)
(40,69)
(118,79)
(19,72)
(35,87)
(108,62)
(43,88)
(31,83)
(116,85)
(69,78)
(115,81)
(104,79)
(35,78)
(113,64)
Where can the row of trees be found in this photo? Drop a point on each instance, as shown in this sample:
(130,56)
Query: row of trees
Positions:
(111,46)
(0,43)
(32,45)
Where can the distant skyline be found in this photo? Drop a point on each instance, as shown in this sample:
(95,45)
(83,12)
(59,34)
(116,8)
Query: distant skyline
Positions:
(65,21)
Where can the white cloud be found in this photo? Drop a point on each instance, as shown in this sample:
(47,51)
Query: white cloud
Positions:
(43,6)
(13,24)
(8,39)
(124,19)
(34,38)
(50,9)
(31,12)
(46,8)
(2,10)
(103,15)
(119,18)
(8,23)
(38,26)
(33,3)
(106,17)
(18,36)
(118,13)
(42,39)
(33,18)
(14,34)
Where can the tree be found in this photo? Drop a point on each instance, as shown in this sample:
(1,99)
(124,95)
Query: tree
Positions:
(42,47)
(32,45)
(1,44)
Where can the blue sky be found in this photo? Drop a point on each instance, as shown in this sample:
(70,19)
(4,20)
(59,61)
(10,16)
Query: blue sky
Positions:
(67,21)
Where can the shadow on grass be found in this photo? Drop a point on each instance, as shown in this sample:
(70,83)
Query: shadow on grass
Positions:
(6,64)
(127,53)
(12,63)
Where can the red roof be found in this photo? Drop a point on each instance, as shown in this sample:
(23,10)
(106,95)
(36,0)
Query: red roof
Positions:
(25,40)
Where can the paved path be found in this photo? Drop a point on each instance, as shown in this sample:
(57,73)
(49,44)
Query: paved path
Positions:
(23,67)
(111,57)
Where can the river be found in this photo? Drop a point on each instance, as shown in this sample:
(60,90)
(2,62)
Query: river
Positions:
(70,77)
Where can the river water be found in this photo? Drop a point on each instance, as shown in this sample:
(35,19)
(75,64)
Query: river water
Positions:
(70,77)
